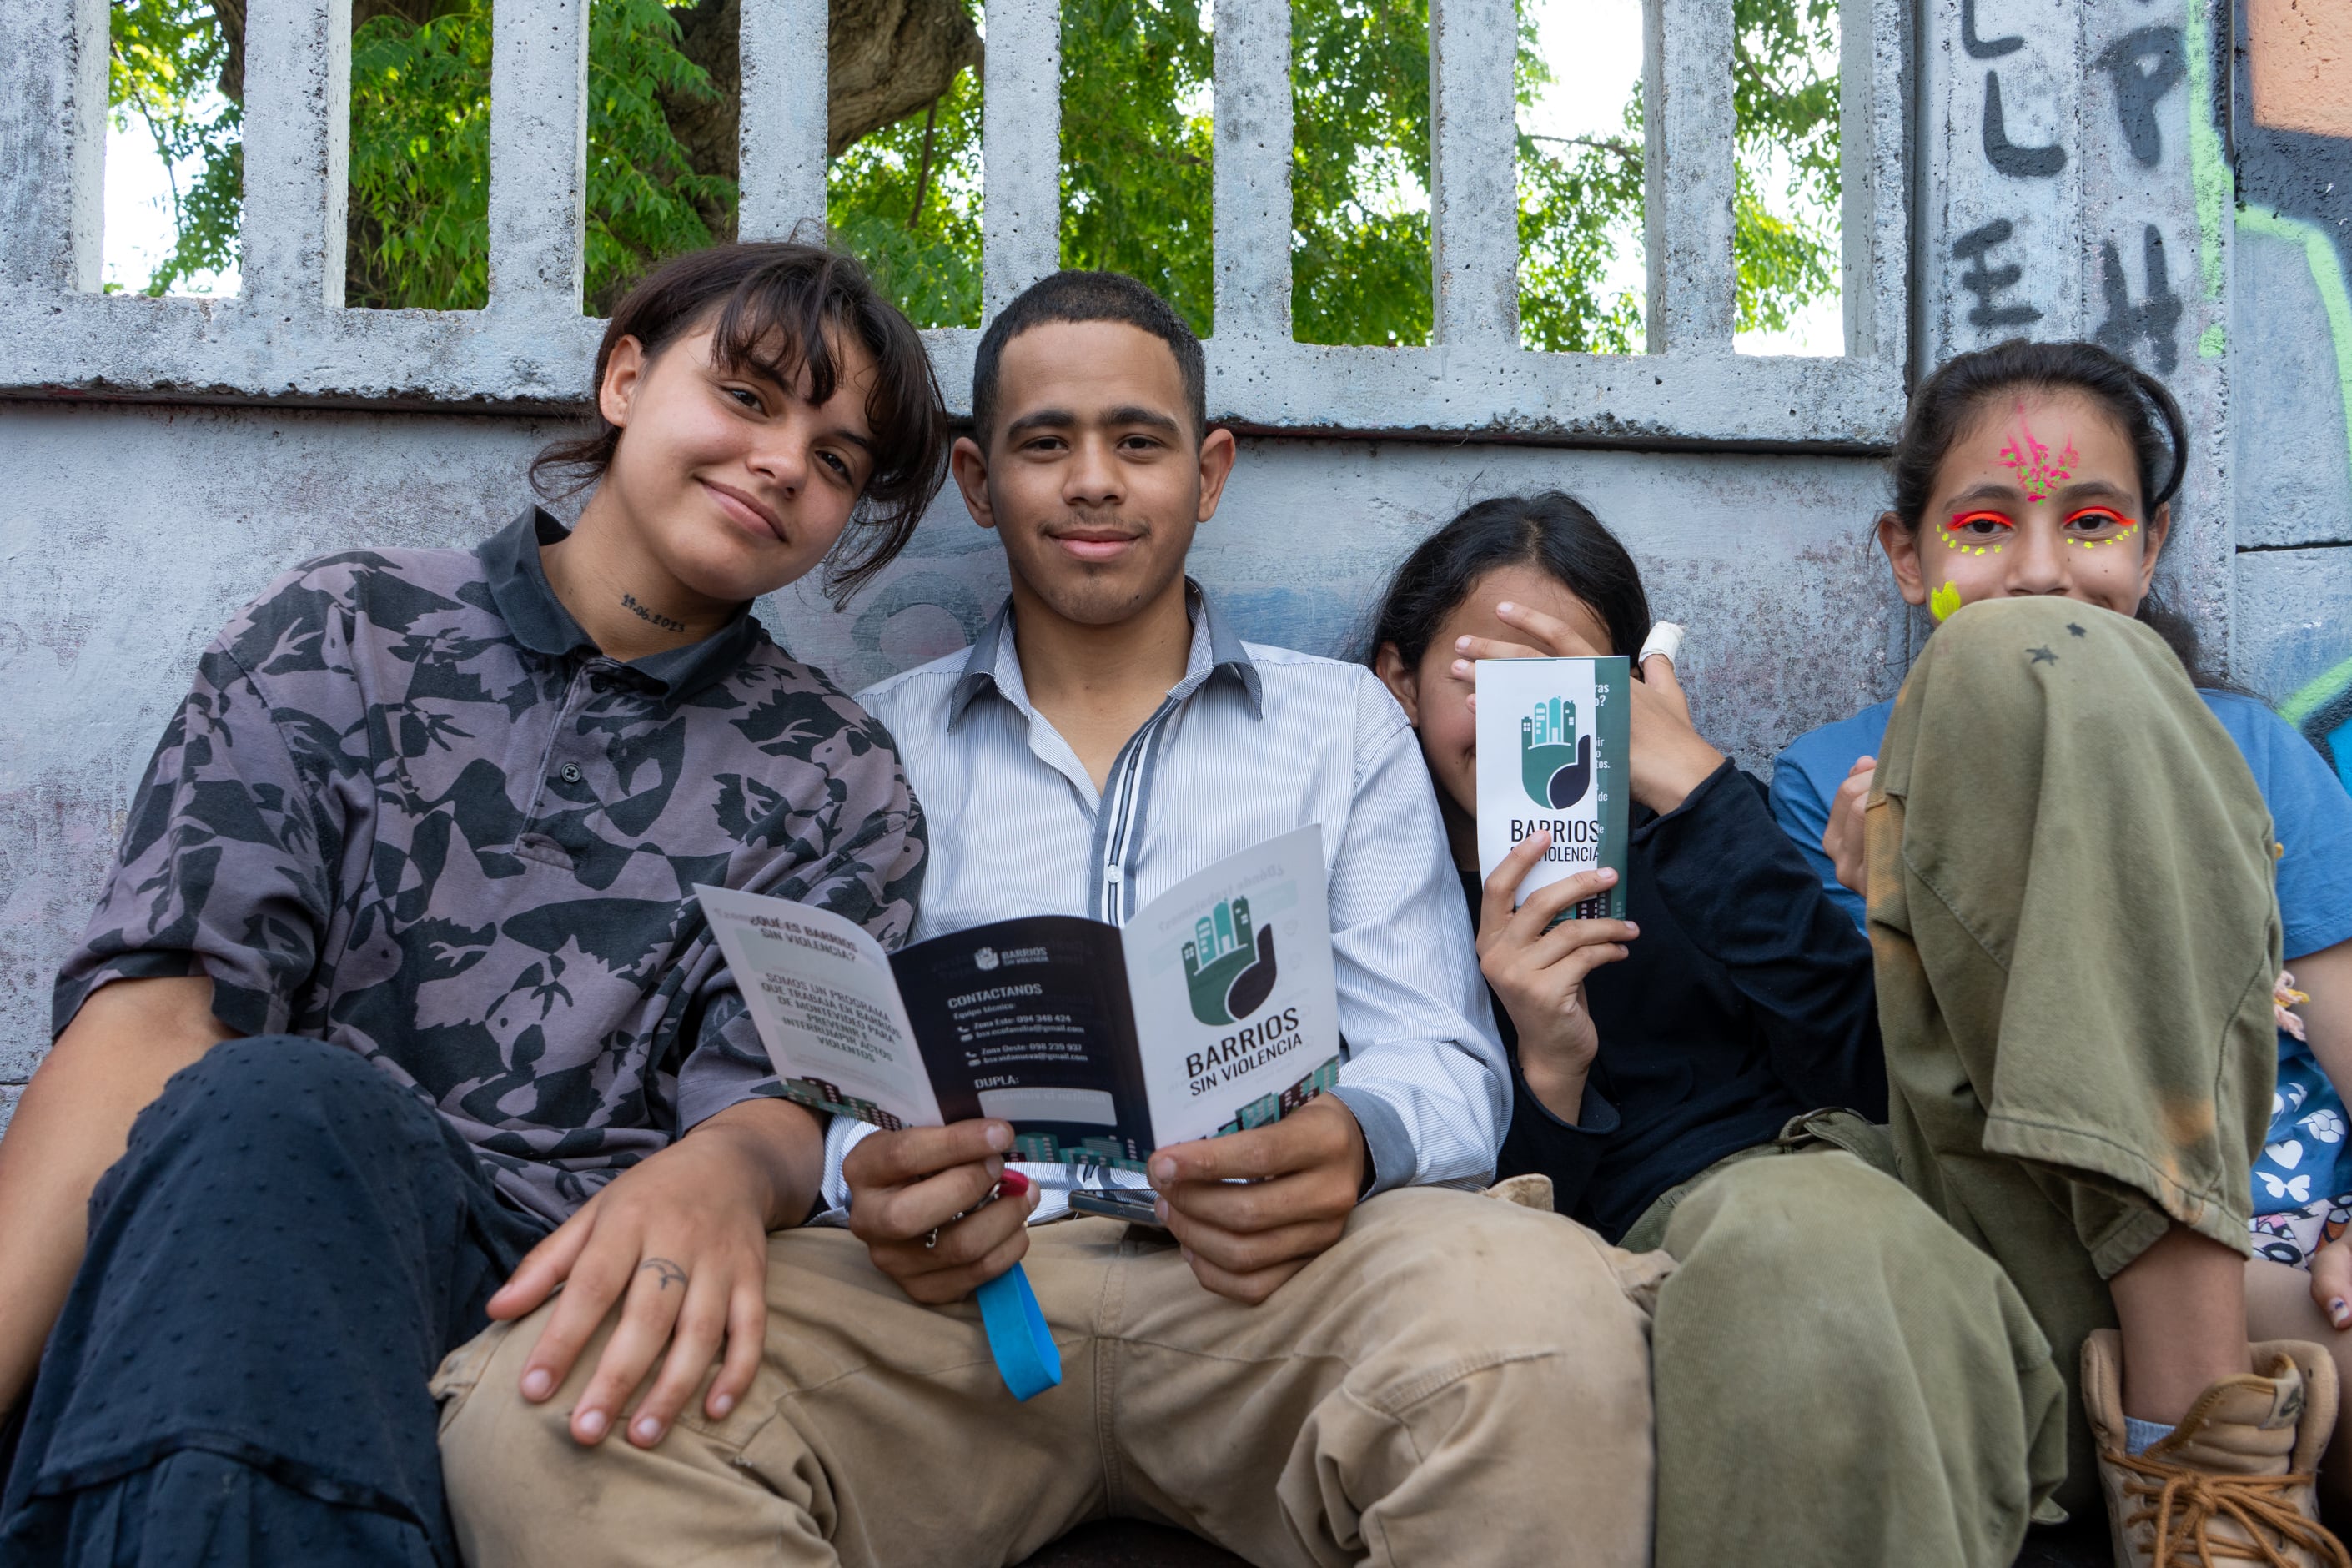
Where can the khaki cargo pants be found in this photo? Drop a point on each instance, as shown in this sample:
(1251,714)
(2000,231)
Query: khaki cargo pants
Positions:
(1458,1381)
(2075,929)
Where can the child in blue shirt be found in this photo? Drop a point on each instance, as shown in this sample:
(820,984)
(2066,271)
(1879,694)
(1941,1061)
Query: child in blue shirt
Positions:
(2044,472)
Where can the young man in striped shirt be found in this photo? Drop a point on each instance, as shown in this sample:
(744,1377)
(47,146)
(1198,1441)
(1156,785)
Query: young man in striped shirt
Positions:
(1337,1354)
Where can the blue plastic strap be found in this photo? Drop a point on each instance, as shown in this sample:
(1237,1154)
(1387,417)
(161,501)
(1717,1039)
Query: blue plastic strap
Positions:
(1017,1336)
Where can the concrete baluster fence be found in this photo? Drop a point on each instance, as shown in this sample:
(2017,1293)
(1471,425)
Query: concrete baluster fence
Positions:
(2055,167)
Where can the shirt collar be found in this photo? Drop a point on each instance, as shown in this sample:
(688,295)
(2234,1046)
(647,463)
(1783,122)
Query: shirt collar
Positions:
(994,663)
(520,588)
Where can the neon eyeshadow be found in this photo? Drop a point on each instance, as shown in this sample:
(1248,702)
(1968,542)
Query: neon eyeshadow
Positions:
(2127,529)
(1952,536)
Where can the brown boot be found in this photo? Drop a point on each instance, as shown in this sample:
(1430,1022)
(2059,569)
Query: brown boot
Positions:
(2235,1482)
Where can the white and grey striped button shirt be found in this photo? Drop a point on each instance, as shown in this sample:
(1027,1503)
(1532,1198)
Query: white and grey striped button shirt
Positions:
(1253,741)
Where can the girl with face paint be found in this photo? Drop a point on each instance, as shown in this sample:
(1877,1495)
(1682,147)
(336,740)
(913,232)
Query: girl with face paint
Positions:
(1660,1063)
(2080,860)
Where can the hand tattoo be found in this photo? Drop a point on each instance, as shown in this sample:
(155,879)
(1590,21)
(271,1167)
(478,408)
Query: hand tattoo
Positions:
(667,1272)
(629,601)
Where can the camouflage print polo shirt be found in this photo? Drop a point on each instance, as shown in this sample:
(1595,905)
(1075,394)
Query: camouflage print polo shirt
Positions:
(409,809)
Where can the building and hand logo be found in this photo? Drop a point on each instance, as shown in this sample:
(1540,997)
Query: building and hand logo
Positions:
(1555,762)
(1228,972)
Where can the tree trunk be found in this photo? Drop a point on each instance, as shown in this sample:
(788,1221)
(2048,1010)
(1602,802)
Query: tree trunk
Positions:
(890,59)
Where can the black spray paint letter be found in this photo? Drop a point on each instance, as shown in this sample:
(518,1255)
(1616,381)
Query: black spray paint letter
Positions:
(2007,157)
(1984,282)
(2145,64)
(1983,49)
(2157,319)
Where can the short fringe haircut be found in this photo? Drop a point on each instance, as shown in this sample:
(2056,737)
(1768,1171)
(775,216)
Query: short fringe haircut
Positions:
(782,310)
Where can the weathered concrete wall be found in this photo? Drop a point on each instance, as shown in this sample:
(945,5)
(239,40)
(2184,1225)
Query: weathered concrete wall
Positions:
(2058,168)
(2291,321)
(2074,187)
(129,533)
(2174,181)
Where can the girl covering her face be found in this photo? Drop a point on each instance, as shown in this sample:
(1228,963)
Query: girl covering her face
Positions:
(1646,1048)
(2046,472)
(1664,1064)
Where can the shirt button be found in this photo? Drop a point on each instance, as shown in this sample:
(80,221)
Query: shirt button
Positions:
(572,773)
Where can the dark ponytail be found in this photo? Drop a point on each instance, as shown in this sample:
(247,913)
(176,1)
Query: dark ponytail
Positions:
(2137,402)
(1553,533)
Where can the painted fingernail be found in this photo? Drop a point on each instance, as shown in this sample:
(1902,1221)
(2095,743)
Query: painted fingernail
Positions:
(1012,1184)
(538,1383)
(722,1403)
(648,1429)
(591,1423)
(1504,608)
(2339,1310)
(1000,1135)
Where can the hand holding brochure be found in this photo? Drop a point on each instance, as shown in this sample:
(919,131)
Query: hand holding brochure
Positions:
(1553,754)
(1212,1011)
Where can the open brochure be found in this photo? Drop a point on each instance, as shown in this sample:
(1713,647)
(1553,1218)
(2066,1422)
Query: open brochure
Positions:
(1565,724)
(1211,1011)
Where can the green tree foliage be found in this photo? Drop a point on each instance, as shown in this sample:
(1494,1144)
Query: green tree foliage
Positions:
(1136,170)
(165,58)
(1787,118)
(1135,156)
(906,200)
(420,157)
(1136,176)
(420,162)
(1359,131)
(1580,200)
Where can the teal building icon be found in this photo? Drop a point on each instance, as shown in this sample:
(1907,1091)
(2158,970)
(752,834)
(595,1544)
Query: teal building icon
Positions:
(1229,968)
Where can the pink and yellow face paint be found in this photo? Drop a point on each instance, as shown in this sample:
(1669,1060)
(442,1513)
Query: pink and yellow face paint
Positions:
(2098,519)
(1976,532)
(2037,474)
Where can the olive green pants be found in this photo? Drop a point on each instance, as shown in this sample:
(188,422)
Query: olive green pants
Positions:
(2075,929)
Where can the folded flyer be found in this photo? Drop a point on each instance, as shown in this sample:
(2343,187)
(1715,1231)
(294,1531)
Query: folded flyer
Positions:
(1565,724)
(1212,1010)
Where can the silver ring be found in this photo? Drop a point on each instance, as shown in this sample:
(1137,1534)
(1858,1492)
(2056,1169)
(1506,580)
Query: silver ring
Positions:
(931,1240)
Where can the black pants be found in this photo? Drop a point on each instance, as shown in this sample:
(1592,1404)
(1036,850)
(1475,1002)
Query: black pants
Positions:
(288,1249)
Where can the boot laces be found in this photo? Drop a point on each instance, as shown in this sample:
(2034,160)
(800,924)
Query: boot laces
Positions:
(2184,1503)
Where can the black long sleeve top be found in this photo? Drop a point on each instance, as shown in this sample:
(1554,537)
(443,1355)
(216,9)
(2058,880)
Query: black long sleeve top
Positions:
(1747,1000)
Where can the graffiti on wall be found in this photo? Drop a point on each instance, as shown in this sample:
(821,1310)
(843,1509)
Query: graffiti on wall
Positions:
(2292,131)
(2143,313)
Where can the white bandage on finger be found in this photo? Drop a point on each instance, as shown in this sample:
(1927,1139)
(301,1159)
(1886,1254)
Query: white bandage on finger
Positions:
(1665,638)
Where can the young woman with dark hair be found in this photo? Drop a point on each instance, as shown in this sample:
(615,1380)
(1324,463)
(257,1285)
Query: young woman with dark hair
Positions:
(791,326)
(2061,839)
(1733,999)
(1839,1377)
(398,1015)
